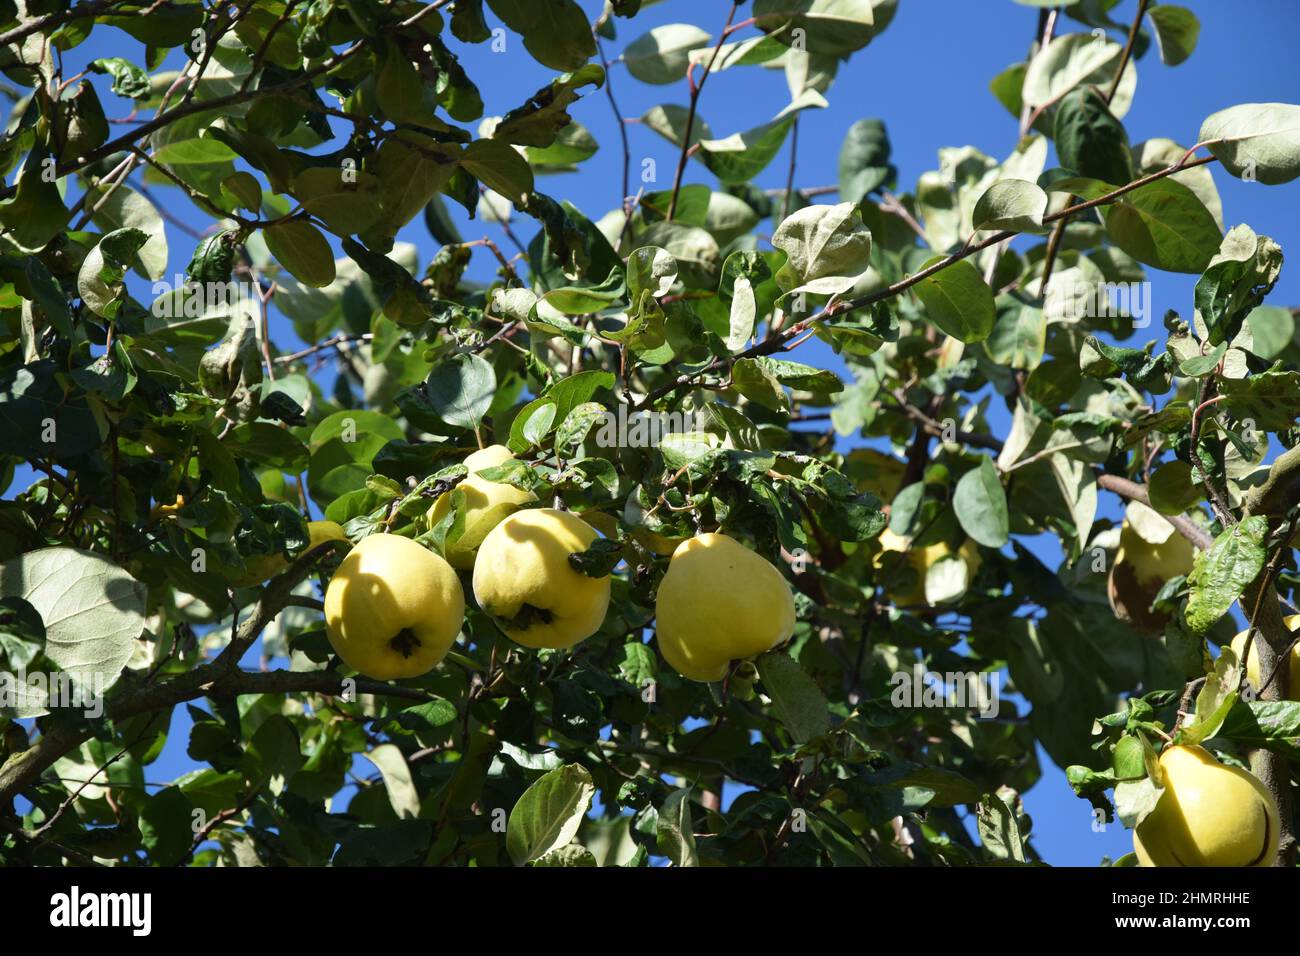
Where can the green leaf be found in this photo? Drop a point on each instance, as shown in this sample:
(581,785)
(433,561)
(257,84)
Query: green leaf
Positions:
(1265,723)
(123,208)
(669,121)
(347,204)
(800,376)
(461,389)
(267,444)
(573,431)
(1177,30)
(1171,488)
(245,188)
(1000,827)
(799,703)
(1220,574)
(165,826)
(756,382)
(1065,63)
(402,794)
(661,54)
(1200,365)
(650,269)
(544,118)
(1259,142)
(1135,799)
(958,300)
(600,558)
(1090,140)
(1011,204)
(573,144)
(302,250)
(1019,336)
(563,397)
(1272,328)
(1165,225)
(1270,398)
(36,213)
(273,751)
(864,160)
(826,247)
(499,167)
(697,254)
(92,609)
(639,666)
(740,157)
(1240,275)
(549,813)
(674,831)
(411,169)
(1217,696)
(556,32)
(129,80)
(981,505)
(100,278)
(399,90)
(830,27)
(80,126)
(744,310)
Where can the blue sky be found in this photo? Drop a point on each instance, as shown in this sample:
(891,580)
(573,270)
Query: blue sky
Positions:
(927,78)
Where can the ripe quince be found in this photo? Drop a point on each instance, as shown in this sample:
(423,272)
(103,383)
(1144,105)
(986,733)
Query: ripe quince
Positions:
(920,560)
(720,602)
(1141,569)
(393,608)
(486,503)
(524,580)
(1209,815)
(1252,665)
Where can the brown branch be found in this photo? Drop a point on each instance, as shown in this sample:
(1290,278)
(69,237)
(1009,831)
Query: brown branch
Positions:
(696,90)
(219,102)
(1054,243)
(1125,488)
(221,677)
(1127,52)
(621,123)
(18,34)
(342,340)
(1275,638)
(778,342)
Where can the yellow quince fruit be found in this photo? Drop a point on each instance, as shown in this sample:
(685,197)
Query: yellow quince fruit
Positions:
(266,566)
(1140,570)
(1252,665)
(1209,815)
(894,548)
(523,579)
(393,608)
(720,602)
(486,503)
